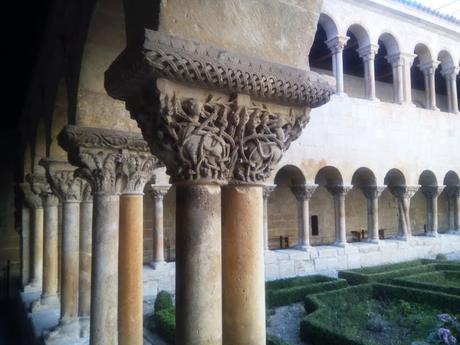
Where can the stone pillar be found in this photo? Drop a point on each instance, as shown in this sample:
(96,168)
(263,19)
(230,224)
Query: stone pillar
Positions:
(429,70)
(303,195)
(403,194)
(336,45)
(69,188)
(450,75)
(407,60)
(453,193)
(372,194)
(431,194)
(368,53)
(98,153)
(268,189)
(206,134)
(158,193)
(84,278)
(25,245)
(34,247)
(135,169)
(339,193)
(397,64)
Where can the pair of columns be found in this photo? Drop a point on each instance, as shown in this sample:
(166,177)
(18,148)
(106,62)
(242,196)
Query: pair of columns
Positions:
(453,202)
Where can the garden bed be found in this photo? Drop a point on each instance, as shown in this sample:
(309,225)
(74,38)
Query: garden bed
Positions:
(374,314)
(287,291)
(441,281)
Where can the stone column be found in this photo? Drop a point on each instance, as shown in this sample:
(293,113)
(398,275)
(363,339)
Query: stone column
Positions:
(158,193)
(69,188)
(336,45)
(339,193)
(25,245)
(84,278)
(397,64)
(368,53)
(134,169)
(34,247)
(429,70)
(268,189)
(207,130)
(453,193)
(372,194)
(303,195)
(431,194)
(98,152)
(450,75)
(407,60)
(403,194)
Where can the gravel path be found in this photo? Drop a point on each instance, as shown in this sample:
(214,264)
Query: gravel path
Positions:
(285,323)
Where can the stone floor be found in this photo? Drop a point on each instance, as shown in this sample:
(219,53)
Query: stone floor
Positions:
(285,323)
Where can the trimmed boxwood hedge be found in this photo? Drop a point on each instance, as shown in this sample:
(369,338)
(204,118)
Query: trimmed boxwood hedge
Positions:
(318,333)
(165,324)
(273,340)
(422,281)
(289,295)
(296,281)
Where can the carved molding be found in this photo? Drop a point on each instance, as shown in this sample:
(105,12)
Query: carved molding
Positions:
(192,62)
(63,180)
(304,192)
(31,199)
(111,161)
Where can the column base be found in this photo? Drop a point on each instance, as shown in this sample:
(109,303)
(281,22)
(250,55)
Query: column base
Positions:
(432,234)
(64,331)
(84,326)
(406,238)
(32,287)
(340,244)
(453,232)
(373,99)
(373,241)
(303,247)
(45,303)
(409,105)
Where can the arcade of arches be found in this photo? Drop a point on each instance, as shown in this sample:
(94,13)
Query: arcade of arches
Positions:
(166,148)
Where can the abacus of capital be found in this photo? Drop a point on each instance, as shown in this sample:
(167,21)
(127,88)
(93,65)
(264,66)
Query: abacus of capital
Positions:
(222,133)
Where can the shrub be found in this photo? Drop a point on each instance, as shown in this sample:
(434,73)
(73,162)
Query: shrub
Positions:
(439,281)
(163,301)
(165,324)
(441,257)
(296,281)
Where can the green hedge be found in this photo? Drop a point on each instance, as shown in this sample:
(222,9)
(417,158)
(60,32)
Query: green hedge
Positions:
(423,281)
(318,333)
(165,324)
(296,281)
(286,296)
(273,340)
(163,301)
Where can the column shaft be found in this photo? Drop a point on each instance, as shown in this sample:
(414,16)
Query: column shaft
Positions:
(457,212)
(130,315)
(70,258)
(369,77)
(84,290)
(265,223)
(243,266)
(104,270)
(373,218)
(407,84)
(25,246)
(199,265)
(304,222)
(37,248)
(434,209)
(339,71)
(453,94)
(158,232)
(50,255)
(432,90)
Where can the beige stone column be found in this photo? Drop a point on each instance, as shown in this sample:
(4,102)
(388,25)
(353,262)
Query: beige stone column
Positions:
(431,194)
(453,193)
(84,277)
(372,194)
(303,195)
(339,193)
(403,194)
(429,70)
(25,245)
(368,53)
(450,75)
(158,193)
(99,153)
(243,274)
(69,188)
(135,170)
(407,60)
(336,45)
(266,194)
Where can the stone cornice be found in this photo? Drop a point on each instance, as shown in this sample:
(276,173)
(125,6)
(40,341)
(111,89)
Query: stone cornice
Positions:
(195,63)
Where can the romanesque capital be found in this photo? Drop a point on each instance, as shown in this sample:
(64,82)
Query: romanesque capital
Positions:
(159,192)
(39,186)
(339,191)
(268,189)
(404,192)
(453,191)
(303,192)
(235,121)
(63,180)
(106,157)
(450,73)
(429,68)
(431,192)
(337,44)
(368,52)
(87,193)
(372,192)
(31,199)
(135,169)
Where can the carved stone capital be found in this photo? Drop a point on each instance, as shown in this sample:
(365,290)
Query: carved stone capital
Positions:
(404,192)
(337,44)
(429,68)
(372,192)
(453,191)
(63,180)
(99,153)
(39,186)
(135,169)
(431,192)
(368,52)
(450,73)
(159,192)
(339,191)
(303,192)
(268,189)
(31,199)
